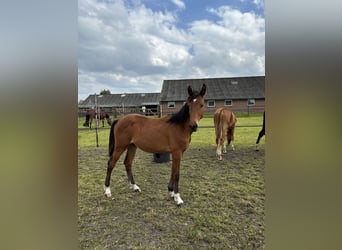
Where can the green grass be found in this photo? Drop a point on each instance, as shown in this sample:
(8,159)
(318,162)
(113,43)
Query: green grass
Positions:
(205,136)
(224,201)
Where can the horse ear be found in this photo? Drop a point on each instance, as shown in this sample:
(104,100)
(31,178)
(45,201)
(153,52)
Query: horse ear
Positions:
(203,90)
(190,92)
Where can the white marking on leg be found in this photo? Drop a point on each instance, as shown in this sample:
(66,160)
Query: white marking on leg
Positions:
(219,152)
(135,187)
(178,199)
(172,194)
(107,191)
(233,148)
(257,147)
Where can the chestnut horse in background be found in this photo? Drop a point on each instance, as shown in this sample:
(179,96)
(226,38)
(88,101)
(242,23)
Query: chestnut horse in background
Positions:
(224,120)
(261,133)
(91,115)
(169,134)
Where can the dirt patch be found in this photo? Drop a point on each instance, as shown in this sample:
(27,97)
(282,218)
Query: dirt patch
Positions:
(224,202)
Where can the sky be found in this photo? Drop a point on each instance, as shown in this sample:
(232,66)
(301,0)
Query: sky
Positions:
(131,46)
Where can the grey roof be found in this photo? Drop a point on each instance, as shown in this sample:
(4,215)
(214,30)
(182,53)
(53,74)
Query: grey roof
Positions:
(118,100)
(217,88)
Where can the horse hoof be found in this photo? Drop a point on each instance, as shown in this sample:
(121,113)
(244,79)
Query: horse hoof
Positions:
(108,195)
(180,205)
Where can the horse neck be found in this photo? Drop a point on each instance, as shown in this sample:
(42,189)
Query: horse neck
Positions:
(181,117)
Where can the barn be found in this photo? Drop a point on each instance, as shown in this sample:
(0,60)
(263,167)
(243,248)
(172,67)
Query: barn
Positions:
(240,94)
(119,104)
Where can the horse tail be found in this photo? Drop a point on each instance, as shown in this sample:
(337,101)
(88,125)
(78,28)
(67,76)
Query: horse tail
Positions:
(112,139)
(231,127)
(232,120)
(220,126)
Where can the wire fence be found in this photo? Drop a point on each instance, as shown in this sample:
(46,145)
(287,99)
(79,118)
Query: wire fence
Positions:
(211,127)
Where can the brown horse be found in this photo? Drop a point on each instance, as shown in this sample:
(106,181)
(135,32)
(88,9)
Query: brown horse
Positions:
(261,133)
(91,115)
(169,134)
(224,120)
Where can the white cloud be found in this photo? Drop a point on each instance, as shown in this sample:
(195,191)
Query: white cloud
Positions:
(232,46)
(180,4)
(259,3)
(133,49)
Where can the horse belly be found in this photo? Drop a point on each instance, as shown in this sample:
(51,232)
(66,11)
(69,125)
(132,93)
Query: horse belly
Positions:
(152,143)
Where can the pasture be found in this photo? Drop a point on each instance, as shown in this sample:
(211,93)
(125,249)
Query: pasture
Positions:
(224,201)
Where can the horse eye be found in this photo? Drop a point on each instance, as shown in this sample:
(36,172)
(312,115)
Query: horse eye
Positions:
(202,105)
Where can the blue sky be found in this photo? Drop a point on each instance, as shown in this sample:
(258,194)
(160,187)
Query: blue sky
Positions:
(132,46)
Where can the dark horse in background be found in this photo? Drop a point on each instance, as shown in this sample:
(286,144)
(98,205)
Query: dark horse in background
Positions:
(224,121)
(90,116)
(169,134)
(261,133)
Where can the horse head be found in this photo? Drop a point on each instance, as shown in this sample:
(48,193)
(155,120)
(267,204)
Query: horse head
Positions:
(195,103)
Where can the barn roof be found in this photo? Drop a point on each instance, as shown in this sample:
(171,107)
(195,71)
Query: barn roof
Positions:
(217,88)
(117,100)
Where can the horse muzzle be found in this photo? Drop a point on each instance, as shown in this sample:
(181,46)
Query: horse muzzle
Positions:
(193,128)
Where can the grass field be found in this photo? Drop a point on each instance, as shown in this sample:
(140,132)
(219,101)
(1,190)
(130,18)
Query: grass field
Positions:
(224,201)
(203,137)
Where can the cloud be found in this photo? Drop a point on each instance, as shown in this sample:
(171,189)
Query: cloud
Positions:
(134,48)
(259,3)
(233,45)
(180,4)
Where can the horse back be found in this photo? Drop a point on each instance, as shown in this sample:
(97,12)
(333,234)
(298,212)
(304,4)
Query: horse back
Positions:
(154,135)
(225,115)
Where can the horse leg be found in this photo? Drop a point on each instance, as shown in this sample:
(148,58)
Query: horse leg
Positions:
(225,146)
(174,180)
(222,140)
(261,134)
(111,165)
(257,142)
(219,148)
(128,164)
(102,123)
(231,137)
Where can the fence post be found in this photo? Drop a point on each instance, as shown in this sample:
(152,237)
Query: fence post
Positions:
(96,123)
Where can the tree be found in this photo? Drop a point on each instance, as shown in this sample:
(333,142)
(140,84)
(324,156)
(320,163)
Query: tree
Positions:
(105,92)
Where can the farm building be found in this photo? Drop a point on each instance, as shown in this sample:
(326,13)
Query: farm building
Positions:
(240,94)
(118,104)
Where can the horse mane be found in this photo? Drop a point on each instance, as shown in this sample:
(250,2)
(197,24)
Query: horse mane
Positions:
(183,114)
